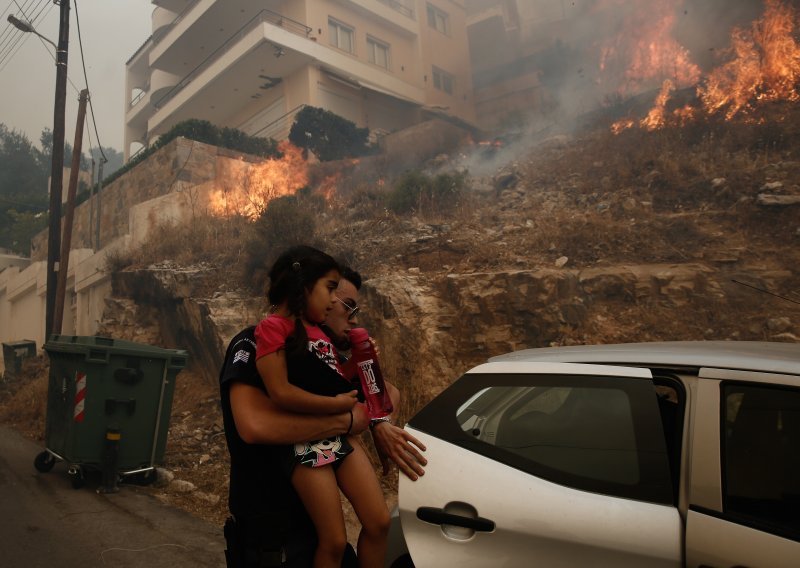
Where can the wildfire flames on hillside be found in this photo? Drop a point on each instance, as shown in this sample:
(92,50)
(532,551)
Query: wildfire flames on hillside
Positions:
(249,193)
(264,181)
(761,65)
(634,46)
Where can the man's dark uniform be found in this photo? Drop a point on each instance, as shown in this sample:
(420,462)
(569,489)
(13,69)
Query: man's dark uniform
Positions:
(269,525)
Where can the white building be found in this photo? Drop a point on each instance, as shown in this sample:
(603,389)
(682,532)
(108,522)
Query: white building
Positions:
(252,65)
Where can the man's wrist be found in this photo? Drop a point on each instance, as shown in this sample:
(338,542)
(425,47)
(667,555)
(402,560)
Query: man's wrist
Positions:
(375,421)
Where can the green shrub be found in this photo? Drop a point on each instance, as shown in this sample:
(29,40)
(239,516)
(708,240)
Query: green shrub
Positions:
(420,193)
(328,135)
(204,131)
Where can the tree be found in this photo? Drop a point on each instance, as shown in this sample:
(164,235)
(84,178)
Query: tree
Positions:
(24,189)
(115,159)
(20,172)
(328,135)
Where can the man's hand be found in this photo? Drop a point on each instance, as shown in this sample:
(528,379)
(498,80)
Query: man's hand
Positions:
(344,401)
(402,448)
(360,418)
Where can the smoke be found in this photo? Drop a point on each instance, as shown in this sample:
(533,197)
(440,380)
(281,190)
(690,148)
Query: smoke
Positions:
(594,53)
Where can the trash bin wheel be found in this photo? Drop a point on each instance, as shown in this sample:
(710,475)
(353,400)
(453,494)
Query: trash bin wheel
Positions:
(44,462)
(76,477)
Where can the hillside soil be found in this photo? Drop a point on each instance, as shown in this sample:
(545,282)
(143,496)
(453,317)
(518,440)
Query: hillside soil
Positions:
(722,195)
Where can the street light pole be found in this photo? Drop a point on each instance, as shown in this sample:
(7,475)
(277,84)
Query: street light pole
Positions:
(57,166)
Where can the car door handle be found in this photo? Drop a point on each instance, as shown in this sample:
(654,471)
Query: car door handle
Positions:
(440,517)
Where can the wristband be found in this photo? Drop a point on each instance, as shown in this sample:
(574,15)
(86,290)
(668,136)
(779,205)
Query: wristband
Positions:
(351,424)
(375,421)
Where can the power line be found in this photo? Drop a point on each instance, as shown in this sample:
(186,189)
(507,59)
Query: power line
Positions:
(15,33)
(16,41)
(86,78)
(11,36)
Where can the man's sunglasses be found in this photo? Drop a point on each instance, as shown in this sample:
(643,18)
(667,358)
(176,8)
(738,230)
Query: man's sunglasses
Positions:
(351,307)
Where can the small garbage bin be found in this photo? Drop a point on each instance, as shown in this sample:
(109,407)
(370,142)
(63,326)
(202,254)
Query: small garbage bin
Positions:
(108,406)
(13,354)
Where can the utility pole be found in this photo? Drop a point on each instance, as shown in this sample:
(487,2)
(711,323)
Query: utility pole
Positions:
(57,169)
(99,187)
(66,243)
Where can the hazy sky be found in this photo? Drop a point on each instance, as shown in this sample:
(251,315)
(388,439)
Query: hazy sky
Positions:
(111,31)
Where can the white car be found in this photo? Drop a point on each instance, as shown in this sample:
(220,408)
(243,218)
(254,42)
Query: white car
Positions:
(657,454)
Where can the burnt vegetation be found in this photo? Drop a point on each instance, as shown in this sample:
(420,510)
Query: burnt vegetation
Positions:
(671,195)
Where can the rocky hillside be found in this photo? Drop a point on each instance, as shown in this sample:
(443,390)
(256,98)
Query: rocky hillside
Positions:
(589,238)
(683,233)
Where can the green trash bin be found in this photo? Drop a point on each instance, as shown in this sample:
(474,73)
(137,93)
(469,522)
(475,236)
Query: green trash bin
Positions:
(13,354)
(108,406)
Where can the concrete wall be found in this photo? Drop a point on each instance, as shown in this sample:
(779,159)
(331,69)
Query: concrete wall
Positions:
(172,185)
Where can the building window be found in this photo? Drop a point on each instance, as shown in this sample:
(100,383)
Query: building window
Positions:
(378,52)
(443,81)
(341,36)
(438,20)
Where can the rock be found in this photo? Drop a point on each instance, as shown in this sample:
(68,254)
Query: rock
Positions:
(629,204)
(716,183)
(207,497)
(779,325)
(561,262)
(769,200)
(413,270)
(181,486)
(790,337)
(506,181)
(204,458)
(772,186)
(163,477)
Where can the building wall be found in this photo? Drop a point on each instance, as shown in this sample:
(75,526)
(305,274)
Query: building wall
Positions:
(179,164)
(377,97)
(172,185)
(448,52)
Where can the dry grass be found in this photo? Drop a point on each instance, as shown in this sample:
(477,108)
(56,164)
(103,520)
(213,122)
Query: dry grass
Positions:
(23,399)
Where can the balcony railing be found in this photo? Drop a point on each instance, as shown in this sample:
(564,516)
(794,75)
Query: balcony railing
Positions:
(263,16)
(280,127)
(399,7)
(177,19)
(140,96)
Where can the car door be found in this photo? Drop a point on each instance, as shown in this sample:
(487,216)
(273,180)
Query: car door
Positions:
(745,481)
(546,464)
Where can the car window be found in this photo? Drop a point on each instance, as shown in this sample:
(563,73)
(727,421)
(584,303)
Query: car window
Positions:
(582,431)
(761,457)
(600,434)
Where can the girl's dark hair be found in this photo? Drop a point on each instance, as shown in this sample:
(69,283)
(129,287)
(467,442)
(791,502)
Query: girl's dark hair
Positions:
(292,275)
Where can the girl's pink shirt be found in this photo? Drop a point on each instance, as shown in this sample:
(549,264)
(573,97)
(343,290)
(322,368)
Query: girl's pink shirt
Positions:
(273,330)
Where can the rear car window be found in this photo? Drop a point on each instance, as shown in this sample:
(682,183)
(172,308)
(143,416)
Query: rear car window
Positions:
(600,434)
(576,430)
(761,457)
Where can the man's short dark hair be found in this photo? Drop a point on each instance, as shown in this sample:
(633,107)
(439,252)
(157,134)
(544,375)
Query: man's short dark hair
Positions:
(351,276)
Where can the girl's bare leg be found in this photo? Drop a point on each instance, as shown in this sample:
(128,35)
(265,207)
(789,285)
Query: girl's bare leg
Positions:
(319,493)
(358,482)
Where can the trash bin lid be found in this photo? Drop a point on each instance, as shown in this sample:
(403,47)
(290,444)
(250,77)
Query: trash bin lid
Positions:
(93,346)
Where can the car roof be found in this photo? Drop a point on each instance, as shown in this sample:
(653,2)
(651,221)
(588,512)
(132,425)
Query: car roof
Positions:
(741,355)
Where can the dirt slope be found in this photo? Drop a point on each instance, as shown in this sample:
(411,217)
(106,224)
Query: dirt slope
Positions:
(721,195)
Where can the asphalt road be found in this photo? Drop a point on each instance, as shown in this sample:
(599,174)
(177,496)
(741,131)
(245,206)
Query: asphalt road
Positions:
(44,522)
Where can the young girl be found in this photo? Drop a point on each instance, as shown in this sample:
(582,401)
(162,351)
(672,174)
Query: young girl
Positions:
(301,371)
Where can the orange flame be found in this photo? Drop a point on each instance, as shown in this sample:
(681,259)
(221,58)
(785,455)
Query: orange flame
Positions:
(766,66)
(645,51)
(263,182)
